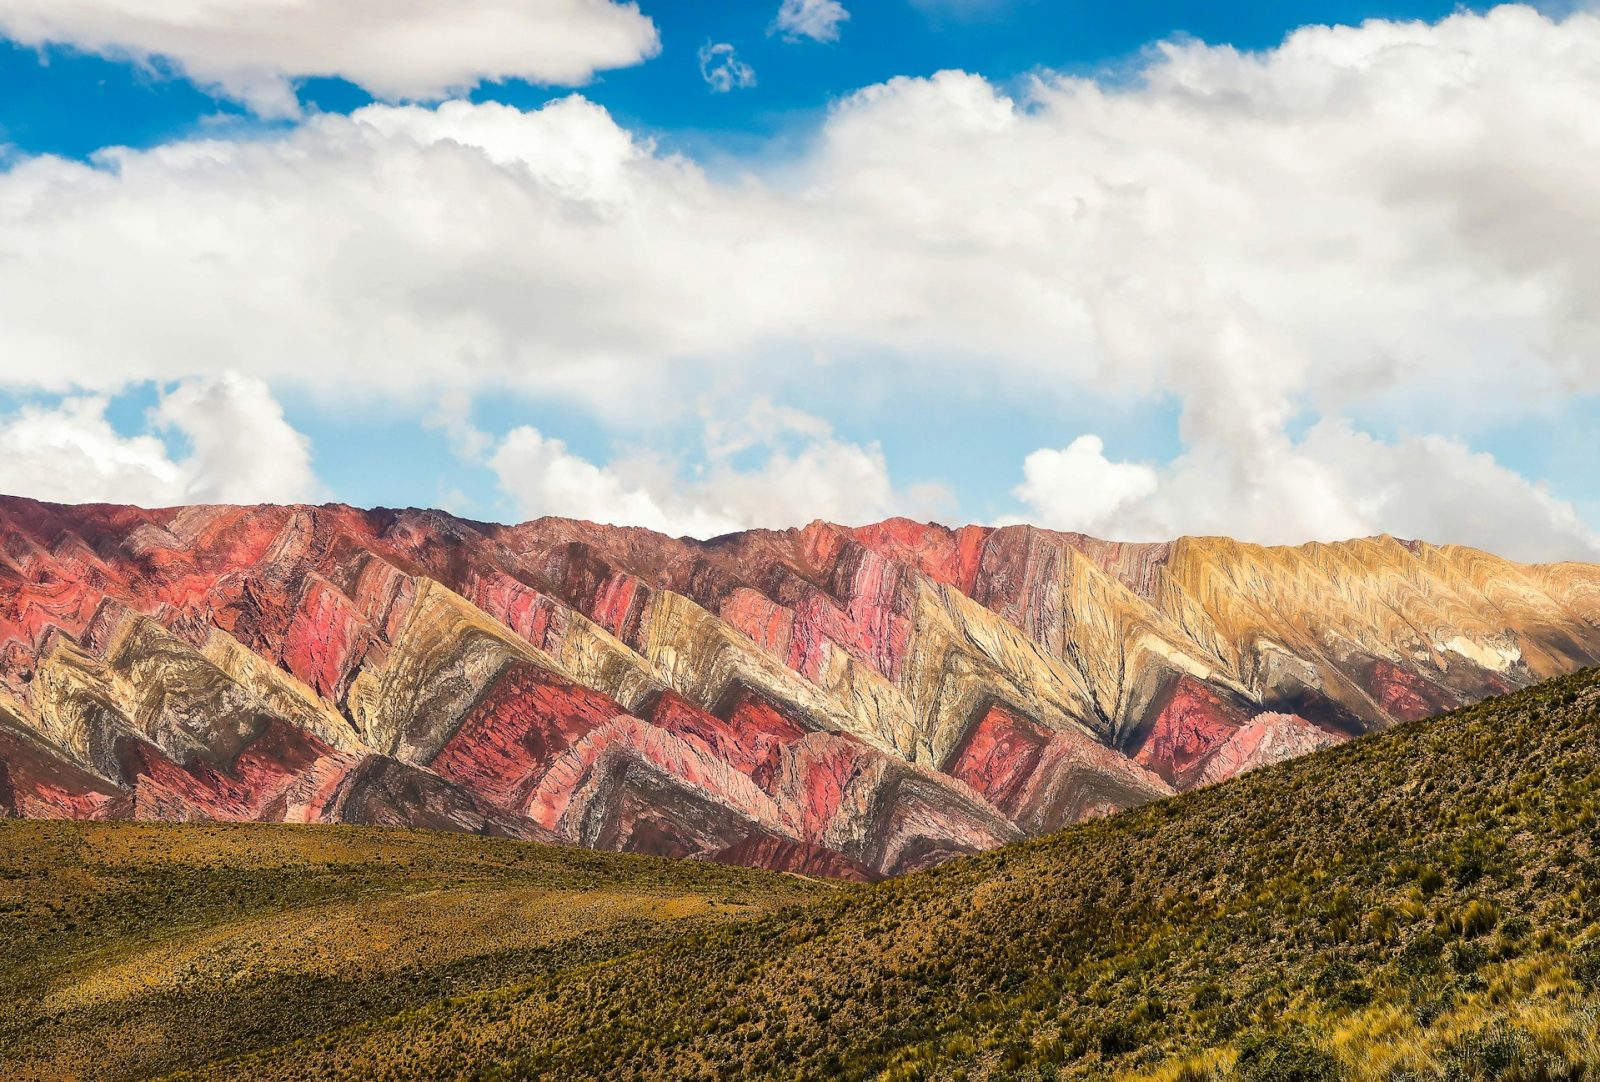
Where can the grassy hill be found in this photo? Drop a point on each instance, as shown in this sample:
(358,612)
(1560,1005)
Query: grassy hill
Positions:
(1424,904)
(132,950)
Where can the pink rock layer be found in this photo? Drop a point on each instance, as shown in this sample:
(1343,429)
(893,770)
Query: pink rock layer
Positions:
(826,701)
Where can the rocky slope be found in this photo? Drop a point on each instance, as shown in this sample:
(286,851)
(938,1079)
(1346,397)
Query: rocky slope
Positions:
(850,702)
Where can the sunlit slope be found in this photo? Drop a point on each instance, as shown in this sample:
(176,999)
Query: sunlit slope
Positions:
(131,950)
(1424,903)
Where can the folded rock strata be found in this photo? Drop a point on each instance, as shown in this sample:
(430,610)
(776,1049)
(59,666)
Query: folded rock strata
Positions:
(834,701)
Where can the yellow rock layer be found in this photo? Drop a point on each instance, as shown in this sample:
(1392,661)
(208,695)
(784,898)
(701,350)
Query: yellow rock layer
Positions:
(1419,607)
(281,692)
(444,655)
(702,657)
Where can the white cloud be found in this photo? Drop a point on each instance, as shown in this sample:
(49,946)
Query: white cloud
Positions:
(240,450)
(1438,489)
(72,454)
(452,415)
(1078,485)
(544,478)
(251,50)
(1334,483)
(243,450)
(1392,225)
(815,19)
(1246,229)
(722,69)
(804,473)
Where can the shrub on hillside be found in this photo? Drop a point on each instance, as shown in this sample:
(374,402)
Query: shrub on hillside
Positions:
(1490,1053)
(1288,1056)
(1586,965)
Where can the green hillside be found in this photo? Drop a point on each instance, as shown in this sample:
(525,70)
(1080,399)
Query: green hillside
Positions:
(1424,904)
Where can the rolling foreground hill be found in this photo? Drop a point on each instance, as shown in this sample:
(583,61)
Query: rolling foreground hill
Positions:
(845,702)
(1423,904)
(131,950)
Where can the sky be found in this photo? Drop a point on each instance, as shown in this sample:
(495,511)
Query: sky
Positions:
(1286,272)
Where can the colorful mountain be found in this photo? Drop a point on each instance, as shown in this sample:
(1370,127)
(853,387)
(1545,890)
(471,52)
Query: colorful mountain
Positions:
(846,702)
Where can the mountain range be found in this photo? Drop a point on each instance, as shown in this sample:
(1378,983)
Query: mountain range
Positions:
(847,702)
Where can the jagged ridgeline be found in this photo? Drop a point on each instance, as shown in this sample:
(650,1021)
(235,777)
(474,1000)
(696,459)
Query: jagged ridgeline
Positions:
(1419,904)
(846,702)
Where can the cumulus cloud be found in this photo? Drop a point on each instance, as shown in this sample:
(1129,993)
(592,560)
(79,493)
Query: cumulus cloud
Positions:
(722,69)
(1390,225)
(71,453)
(815,19)
(1334,483)
(240,449)
(800,471)
(1243,228)
(1079,488)
(251,50)
(543,477)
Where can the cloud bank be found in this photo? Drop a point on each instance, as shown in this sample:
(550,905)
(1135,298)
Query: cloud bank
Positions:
(252,50)
(1335,483)
(769,467)
(1379,229)
(240,450)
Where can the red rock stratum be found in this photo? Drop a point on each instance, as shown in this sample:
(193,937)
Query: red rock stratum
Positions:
(836,701)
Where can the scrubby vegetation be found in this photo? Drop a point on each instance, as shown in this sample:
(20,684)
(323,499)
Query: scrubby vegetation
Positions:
(1424,904)
(130,950)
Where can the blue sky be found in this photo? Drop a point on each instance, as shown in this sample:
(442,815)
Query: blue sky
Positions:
(61,101)
(1416,344)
